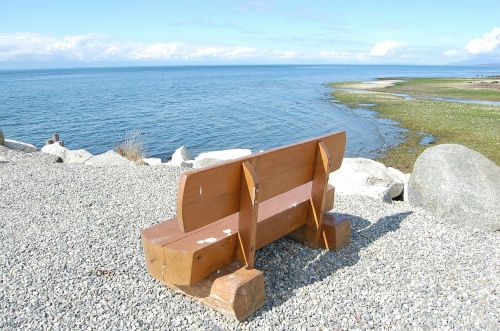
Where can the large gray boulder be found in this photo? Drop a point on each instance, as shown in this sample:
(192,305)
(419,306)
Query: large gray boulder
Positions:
(110,158)
(211,158)
(458,184)
(365,177)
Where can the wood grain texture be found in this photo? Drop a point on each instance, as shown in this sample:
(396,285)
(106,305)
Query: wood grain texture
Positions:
(249,207)
(318,196)
(185,258)
(234,291)
(336,232)
(210,194)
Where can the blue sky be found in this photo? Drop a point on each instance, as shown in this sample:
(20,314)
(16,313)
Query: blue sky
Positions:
(43,33)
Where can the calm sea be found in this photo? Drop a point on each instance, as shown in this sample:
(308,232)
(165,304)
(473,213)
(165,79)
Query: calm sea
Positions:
(202,107)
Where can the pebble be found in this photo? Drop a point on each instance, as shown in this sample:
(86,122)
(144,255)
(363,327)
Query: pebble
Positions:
(71,258)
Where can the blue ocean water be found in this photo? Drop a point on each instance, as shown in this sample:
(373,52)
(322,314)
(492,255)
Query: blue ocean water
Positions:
(202,107)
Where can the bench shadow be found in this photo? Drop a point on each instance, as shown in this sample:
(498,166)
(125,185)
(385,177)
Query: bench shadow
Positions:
(289,265)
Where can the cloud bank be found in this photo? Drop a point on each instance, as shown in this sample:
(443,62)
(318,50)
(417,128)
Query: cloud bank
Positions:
(93,48)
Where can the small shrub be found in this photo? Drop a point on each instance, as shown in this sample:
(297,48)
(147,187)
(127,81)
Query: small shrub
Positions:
(132,148)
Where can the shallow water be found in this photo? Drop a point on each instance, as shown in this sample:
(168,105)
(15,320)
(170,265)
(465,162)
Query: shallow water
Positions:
(202,107)
(427,139)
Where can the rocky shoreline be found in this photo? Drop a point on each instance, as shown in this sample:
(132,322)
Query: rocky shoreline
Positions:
(356,177)
(72,256)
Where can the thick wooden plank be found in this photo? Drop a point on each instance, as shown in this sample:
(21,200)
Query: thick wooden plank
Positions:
(234,291)
(336,232)
(249,207)
(318,196)
(210,194)
(205,250)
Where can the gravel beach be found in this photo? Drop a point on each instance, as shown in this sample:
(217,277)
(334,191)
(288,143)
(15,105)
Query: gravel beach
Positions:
(71,258)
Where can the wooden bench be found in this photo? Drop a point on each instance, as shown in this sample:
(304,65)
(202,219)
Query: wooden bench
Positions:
(228,211)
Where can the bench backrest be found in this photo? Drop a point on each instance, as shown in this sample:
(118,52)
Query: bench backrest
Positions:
(209,194)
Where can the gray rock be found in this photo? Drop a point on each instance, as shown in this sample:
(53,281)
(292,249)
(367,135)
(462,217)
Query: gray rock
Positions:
(402,178)
(365,177)
(210,158)
(110,158)
(188,164)
(19,146)
(2,138)
(458,184)
(180,155)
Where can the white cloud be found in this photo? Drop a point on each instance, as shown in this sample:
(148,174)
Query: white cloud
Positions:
(484,44)
(386,47)
(451,52)
(93,48)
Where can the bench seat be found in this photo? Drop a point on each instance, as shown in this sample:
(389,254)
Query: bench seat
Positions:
(192,256)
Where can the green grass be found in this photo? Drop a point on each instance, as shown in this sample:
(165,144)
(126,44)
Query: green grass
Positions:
(466,88)
(487,89)
(472,125)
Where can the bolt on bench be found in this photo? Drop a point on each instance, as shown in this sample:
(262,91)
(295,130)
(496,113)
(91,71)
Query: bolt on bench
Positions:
(228,211)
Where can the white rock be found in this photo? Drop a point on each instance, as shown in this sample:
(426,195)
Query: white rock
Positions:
(365,177)
(211,158)
(77,156)
(110,158)
(55,149)
(180,155)
(397,173)
(19,146)
(68,156)
(152,161)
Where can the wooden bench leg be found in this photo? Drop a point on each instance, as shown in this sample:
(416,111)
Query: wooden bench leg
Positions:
(249,209)
(318,197)
(336,232)
(235,291)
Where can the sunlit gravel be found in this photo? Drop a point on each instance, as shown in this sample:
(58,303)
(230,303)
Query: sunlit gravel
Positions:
(71,258)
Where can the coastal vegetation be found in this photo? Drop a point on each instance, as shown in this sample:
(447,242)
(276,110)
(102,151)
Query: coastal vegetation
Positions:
(487,89)
(132,147)
(474,125)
